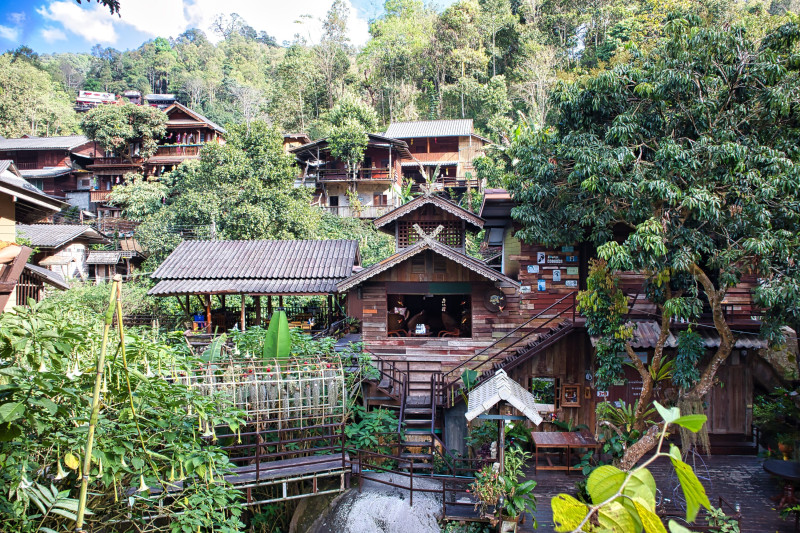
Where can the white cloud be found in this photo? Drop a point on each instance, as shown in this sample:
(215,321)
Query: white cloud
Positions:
(52,35)
(7,32)
(17,18)
(169,18)
(93,24)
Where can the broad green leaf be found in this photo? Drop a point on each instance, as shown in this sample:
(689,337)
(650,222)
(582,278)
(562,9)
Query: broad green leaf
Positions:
(615,517)
(693,490)
(568,512)
(675,527)
(669,415)
(691,422)
(675,452)
(11,411)
(649,519)
(604,482)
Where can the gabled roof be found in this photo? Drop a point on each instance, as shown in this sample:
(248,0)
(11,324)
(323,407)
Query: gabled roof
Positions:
(47,276)
(100,257)
(197,116)
(256,267)
(373,140)
(57,235)
(31,203)
(430,128)
(502,388)
(425,244)
(469,217)
(67,142)
(47,172)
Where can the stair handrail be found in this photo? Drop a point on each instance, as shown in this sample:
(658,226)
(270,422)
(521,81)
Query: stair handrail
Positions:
(394,370)
(510,333)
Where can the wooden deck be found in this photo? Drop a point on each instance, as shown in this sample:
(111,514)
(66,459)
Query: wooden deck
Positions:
(737,479)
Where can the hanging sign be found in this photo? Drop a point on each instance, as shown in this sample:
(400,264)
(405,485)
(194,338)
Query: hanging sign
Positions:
(494,300)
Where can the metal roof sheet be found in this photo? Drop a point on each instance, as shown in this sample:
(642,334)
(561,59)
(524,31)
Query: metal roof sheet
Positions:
(57,235)
(48,276)
(47,172)
(103,258)
(646,333)
(66,142)
(429,163)
(179,106)
(256,267)
(430,128)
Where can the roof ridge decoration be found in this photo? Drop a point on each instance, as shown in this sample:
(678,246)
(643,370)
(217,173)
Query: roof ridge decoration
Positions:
(499,388)
(429,196)
(420,246)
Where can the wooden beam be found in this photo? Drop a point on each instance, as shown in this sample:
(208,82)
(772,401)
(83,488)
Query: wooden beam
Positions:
(243,326)
(208,313)
(180,302)
(269,305)
(280,301)
(258,310)
(11,273)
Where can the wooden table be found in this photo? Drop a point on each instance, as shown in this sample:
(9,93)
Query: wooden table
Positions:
(789,471)
(565,441)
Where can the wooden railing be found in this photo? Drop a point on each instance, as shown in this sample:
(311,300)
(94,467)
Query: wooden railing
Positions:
(367,211)
(135,160)
(114,224)
(340,174)
(99,196)
(177,150)
(26,165)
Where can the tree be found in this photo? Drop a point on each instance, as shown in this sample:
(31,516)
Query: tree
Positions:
(139,197)
(688,155)
(495,15)
(331,52)
(348,142)
(112,5)
(116,127)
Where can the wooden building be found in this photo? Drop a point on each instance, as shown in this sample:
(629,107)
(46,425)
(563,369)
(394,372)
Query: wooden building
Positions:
(62,248)
(20,202)
(366,192)
(447,145)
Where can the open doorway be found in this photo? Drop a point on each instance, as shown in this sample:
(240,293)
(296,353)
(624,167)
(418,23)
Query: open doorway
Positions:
(417,315)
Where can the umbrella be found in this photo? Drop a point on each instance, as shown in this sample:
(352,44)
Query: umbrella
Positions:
(278,343)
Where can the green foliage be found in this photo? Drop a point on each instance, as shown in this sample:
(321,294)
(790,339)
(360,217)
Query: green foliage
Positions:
(626,501)
(348,142)
(47,353)
(138,197)
(372,431)
(691,348)
(605,307)
(373,245)
(490,485)
(468,527)
(719,522)
(117,127)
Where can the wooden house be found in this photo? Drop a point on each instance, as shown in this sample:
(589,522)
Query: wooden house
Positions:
(368,191)
(447,145)
(62,248)
(22,202)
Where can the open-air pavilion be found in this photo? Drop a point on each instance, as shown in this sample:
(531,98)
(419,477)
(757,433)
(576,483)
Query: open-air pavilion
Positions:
(213,272)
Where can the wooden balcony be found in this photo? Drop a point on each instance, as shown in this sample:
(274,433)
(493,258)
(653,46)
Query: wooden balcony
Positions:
(365,174)
(102,162)
(178,150)
(458,181)
(115,225)
(368,211)
(99,197)
(27,165)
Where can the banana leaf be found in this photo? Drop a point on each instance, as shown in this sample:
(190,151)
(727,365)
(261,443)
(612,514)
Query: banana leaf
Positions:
(278,343)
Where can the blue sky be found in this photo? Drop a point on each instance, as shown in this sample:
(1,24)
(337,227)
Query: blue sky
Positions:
(65,26)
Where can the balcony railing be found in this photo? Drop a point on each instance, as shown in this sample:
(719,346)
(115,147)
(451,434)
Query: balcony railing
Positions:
(115,225)
(116,161)
(27,165)
(178,150)
(458,181)
(99,196)
(368,211)
(340,174)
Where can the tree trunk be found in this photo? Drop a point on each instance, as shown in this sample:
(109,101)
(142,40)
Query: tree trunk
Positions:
(638,449)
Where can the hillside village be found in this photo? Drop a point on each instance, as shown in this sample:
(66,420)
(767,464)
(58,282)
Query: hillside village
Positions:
(507,266)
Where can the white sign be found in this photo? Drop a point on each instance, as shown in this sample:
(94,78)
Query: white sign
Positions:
(556,275)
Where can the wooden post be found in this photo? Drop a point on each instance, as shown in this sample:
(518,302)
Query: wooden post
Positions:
(222,300)
(243,326)
(501,435)
(188,307)
(280,301)
(269,305)
(330,310)
(258,310)
(208,313)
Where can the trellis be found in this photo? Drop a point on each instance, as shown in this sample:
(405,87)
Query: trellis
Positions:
(290,393)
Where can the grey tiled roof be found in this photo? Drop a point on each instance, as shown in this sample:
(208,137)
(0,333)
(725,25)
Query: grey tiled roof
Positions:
(48,276)
(276,267)
(67,142)
(48,172)
(57,235)
(103,258)
(430,128)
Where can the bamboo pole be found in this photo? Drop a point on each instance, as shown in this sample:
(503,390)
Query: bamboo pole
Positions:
(98,379)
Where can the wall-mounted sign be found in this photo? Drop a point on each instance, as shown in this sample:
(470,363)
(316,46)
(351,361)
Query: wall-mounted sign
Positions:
(567,248)
(573,283)
(533,269)
(525,289)
(572,259)
(542,285)
(540,257)
(572,271)
(556,275)
(554,259)
(494,300)
(602,394)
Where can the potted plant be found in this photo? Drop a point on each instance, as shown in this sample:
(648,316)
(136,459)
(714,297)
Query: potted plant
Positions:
(786,445)
(501,496)
(353,324)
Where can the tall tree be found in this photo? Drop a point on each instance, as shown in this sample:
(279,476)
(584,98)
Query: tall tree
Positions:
(331,51)
(692,150)
(117,127)
(495,15)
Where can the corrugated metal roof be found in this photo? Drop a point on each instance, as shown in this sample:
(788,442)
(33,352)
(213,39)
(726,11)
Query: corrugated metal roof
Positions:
(103,258)
(430,128)
(66,142)
(429,163)
(244,286)
(47,172)
(266,267)
(48,276)
(57,235)
(646,333)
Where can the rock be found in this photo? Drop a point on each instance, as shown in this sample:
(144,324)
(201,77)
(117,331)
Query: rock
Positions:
(379,508)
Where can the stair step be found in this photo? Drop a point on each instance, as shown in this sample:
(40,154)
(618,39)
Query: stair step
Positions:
(418,410)
(381,399)
(420,444)
(420,466)
(417,421)
(418,456)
